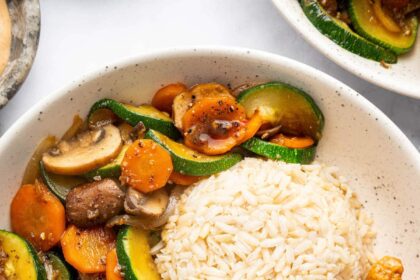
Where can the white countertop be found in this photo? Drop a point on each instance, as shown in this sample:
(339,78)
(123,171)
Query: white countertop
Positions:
(80,36)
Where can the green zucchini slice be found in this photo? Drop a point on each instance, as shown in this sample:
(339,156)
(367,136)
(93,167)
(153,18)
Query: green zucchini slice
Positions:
(277,152)
(340,33)
(59,185)
(111,170)
(190,162)
(60,269)
(21,261)
(150,116)
(133,252)
(367,24)
(282,104)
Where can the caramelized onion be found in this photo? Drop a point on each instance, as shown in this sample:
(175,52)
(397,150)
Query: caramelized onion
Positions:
(76,127)
(32,168)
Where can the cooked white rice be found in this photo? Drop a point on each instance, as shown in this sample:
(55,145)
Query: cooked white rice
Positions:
(267,220)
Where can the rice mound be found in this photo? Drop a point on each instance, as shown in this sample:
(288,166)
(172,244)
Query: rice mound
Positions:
(263,219)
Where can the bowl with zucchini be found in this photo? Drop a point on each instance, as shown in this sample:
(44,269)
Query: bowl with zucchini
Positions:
(88,187)
(375,40)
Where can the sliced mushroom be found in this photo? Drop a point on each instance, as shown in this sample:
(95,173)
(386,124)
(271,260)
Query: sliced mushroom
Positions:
(84,152)
(184,101)
(267,133)
(149,223)
(94,203)
(150,205)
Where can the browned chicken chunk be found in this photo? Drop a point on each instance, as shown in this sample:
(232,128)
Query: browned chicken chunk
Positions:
(387,268)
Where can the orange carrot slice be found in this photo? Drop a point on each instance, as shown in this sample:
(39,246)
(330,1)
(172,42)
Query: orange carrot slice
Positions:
(252,127)
(38,216)
(164,97)
(214,125)
(146,166)
(292,141)
(112,266)
(86,249)
(184,180)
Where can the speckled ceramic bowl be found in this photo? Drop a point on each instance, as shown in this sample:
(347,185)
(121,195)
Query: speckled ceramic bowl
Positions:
(380,162)
(403,77)
(25,17)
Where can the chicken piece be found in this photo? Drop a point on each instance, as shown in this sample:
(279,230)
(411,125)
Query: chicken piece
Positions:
(387,268)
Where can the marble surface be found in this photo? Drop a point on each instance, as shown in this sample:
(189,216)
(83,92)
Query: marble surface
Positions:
(79,36)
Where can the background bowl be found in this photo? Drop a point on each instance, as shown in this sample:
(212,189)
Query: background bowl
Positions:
(403,77)
(25,17)
(380,162)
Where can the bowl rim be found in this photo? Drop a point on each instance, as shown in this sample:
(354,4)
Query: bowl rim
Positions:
(325,50)
(13,77)
(204,50)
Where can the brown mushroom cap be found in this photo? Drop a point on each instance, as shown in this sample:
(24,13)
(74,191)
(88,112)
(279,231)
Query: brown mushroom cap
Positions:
(150,205)
(94,203)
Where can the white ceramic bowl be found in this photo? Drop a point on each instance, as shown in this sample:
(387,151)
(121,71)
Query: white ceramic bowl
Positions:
(403,77)
(381,163)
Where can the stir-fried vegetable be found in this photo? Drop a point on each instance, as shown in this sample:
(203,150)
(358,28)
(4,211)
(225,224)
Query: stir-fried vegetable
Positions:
(214,125)
(57,268)
(38,216)
(94,203)
(134,254)
(113,269)
(32,168)
(164,97)
(18,259)
(151,205)
(59,185)
(292,141)
(86,249)
(387,268)
(146,166)
(184,180)
(190,162)
(150,116)
(86,151)
(148,176)
(184,101)
(74,129)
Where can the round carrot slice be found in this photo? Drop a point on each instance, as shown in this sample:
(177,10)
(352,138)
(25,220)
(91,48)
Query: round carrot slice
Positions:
(112,266)
(214,125)
(38,216)
(146,166)
(86,249)
(252,126)
(184,180)
(292,141)
(164,97)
